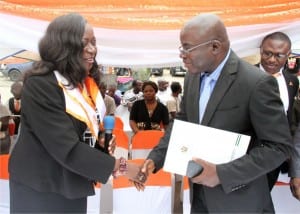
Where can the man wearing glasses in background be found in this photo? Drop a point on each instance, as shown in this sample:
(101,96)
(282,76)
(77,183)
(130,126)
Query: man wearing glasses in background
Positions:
(275,49)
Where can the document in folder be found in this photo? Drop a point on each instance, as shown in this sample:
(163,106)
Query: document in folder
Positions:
(190,140)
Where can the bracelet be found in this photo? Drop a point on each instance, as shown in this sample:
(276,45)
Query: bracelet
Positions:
(122,168)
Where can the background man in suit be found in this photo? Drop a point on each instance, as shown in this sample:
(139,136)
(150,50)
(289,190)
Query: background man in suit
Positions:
(243,100)
(274,51)
(294,169)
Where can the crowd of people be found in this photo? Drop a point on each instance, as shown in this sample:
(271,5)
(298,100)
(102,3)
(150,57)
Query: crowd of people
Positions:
(63,98)
(10,116)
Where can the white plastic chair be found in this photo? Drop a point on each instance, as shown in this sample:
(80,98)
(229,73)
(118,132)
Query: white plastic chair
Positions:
(93,202)
(143,142)
(4,184)
(186,205)
(156,198)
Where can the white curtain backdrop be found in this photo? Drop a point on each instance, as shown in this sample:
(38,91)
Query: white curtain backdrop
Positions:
(140,48)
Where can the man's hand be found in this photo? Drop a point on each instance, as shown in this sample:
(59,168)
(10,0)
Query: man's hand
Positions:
(146,169)
(209,176)
(295,187)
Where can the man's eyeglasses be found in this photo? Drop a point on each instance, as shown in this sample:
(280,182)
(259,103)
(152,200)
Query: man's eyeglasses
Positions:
(189,50)
(269,54)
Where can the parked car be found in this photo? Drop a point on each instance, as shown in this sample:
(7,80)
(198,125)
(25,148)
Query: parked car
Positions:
(122,71)
(124,78)
(157,71)
(15,70)
(124,83)
(176,71)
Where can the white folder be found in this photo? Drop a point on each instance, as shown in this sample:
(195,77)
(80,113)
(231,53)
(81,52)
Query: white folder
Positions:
(190,140)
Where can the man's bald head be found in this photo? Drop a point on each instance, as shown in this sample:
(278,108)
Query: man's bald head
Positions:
(204,43)
(208,26)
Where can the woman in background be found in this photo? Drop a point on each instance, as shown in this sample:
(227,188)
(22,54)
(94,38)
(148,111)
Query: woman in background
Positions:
(149,114)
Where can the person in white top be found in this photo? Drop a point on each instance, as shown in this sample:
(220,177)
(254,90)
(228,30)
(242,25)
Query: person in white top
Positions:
(133,94)
(274,52)
(164,92)
(173,104)
(108,100)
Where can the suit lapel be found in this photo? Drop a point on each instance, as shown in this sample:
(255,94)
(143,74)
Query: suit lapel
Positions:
(194,86)
(226,79)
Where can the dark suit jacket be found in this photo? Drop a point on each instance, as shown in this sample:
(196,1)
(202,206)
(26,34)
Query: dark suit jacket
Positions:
(49,155)
(244,100)
(294,169)
(292,84)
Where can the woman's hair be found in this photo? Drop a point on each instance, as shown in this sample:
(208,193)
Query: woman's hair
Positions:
(61,49)
(150,83)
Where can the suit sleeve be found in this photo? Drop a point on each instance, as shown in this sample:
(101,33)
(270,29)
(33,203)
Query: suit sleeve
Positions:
(159,152)
(273,136)
(53,128)
(294,170)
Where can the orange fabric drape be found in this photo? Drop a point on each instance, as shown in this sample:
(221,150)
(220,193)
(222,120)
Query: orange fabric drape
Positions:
(157,14)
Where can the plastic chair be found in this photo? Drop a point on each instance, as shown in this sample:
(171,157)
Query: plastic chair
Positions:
(122,143)
(93,202)
(186,204)
(143,142)
(4,184)
(119,123)
(156,198)
(121,150)
(123,113)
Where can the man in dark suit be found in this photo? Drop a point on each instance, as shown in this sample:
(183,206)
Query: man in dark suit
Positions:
(274,51)
(294,169)
(243,100)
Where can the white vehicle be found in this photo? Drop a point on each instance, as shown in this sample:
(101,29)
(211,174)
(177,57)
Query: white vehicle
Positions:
(15,70)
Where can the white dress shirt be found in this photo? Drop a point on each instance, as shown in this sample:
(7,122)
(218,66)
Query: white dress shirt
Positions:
(284,95)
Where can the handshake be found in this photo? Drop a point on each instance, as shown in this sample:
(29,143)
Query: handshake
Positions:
(136,173)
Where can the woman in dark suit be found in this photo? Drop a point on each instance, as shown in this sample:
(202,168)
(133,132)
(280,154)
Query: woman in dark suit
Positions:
(54,164)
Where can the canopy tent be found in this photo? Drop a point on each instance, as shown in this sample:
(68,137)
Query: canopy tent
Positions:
(145,33)
(6,52)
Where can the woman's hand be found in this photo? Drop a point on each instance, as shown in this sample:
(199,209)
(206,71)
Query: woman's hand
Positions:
(128,169)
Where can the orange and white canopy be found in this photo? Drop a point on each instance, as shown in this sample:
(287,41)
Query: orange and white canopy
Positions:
(145,33)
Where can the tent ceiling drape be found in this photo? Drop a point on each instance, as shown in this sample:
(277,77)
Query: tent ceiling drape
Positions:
(145,33)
